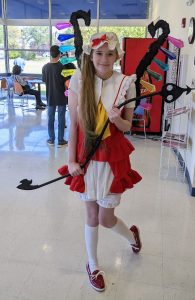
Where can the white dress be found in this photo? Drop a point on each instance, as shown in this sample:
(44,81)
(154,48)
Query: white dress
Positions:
(99,176)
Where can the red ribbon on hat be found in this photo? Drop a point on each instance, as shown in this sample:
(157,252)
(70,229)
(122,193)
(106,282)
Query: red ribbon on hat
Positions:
(96,42)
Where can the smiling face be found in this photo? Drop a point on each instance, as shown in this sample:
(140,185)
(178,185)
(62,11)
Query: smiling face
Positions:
(103,60)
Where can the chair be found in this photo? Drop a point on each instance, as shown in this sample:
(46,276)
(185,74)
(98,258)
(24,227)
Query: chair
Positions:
(141,113)
(18,90)
(7,84)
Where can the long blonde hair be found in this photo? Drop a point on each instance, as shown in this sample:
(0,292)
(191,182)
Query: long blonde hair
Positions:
(88,105)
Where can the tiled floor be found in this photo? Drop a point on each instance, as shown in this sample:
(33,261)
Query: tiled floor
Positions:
(42,251)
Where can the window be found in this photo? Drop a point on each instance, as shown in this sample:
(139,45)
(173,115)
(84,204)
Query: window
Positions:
(28,37)
(25,9)
(63,9)
(34,60)
(0,10)
(33,42)
(2,51)
(30,43)
(124,9)
(1,38)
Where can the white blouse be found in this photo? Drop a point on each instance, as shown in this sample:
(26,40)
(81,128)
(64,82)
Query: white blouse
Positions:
(108,89)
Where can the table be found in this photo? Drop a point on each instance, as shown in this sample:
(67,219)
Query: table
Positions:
(36,81)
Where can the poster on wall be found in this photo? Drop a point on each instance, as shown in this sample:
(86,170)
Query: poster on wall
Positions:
(172,73)
(172,77)
(135,49)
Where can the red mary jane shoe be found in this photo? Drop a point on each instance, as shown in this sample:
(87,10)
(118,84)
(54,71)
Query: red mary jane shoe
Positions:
(96,279)
(138,244)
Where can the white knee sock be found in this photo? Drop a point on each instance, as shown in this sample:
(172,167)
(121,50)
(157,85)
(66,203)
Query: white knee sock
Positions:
(91,241)
(122,229)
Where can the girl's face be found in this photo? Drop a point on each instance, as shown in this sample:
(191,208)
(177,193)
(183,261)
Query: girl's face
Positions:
(103,60)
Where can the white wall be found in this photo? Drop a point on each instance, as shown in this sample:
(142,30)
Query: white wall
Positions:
(173,11)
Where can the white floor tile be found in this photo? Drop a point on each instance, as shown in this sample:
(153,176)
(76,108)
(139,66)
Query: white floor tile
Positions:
(179,274)
(133,290)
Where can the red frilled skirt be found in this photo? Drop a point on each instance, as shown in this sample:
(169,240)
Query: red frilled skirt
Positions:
(115,150)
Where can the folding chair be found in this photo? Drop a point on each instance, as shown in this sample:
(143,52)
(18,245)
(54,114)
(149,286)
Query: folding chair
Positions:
(141,112)
(7,84)
(18,90)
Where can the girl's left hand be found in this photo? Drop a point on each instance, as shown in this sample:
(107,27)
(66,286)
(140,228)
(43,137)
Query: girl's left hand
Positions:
(114,115)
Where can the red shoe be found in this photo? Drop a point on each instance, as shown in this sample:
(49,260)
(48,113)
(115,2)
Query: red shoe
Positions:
(138,244)
(96,279)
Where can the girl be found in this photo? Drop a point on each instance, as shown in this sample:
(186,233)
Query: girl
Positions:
(94,93)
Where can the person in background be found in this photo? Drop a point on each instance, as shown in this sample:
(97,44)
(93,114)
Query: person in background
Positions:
(19,61)
(69,66)
(26,87)
(55,88)
(95,91)
(67,81)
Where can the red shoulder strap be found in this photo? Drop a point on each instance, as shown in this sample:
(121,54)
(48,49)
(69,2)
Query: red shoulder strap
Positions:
(119,88)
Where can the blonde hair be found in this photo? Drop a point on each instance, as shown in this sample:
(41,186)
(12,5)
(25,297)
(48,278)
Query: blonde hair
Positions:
(88,105)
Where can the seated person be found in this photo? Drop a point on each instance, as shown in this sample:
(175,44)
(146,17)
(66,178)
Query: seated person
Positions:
(26,87)
(19,61)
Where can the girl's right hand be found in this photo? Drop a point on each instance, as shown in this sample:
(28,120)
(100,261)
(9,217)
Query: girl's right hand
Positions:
(74,169)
